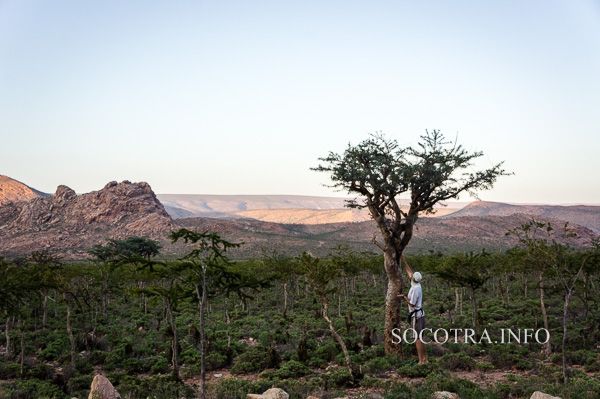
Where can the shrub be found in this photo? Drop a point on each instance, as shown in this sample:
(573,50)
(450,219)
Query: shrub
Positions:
(378,365)
(255,359)
(292,369)
(413,370)
(339,377)
(34,389)
(399,391)
(457,361)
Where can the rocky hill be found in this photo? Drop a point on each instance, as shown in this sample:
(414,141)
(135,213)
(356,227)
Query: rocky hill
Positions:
(70,224)
(12,190)
(584,215)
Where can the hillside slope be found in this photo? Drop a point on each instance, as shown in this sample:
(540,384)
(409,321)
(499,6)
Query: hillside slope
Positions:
(12,190)
(584,215)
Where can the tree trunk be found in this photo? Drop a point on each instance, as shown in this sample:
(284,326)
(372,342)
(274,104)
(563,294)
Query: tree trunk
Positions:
(564,337)
(475,306)
(22,341)
(45,310)
(285,299)
(336,336)
(456,300)
(392,302)
(9,321)
(70,334)
(174,341)
(547,349)
(202,304)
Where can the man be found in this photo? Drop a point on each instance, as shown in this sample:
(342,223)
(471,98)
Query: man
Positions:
(414,299)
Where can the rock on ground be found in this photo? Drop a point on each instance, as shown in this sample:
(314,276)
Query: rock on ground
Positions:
(444,395)
(272,393)
(542,395)
(102,389)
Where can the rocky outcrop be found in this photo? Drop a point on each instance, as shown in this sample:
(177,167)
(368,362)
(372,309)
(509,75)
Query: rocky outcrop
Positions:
(12,190)
(272,393)
(102,389)
(70,224)
(542,395)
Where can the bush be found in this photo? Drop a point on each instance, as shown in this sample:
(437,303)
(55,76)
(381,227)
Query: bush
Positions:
(413,370)
(378,365)
(34,389)
(55,347)
(292,369)
(159,365)
(9,370)
(457,361)
(255,359)
(400,391)
(159,386)
(339,377)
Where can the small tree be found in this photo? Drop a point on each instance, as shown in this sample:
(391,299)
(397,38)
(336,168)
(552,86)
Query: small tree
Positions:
(554,256)
(137,251)
(208,264)
(378,171)
(321,277)
(470,270)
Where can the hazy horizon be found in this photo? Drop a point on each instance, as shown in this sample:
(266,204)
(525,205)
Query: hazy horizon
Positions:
(236,97)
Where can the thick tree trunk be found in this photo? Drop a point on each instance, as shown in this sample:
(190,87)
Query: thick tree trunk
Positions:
(392,302)
(547,349)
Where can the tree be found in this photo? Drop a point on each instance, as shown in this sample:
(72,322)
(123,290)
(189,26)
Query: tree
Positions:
(137,251)
(321,277)
(210,276)
(377,171)
(169,286)
(45,266)
(469,270)
(548,248)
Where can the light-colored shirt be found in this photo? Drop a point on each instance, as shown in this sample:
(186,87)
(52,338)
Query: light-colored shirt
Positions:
(415,296)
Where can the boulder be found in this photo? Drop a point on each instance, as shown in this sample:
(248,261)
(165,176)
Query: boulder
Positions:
(542,395)
(102,389)
(444,395)
(271,393)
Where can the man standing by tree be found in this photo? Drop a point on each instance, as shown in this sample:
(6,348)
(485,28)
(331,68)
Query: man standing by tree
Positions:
(378,171)
(414,299)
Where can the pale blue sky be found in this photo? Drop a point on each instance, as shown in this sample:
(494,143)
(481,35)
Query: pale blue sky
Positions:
(227,97)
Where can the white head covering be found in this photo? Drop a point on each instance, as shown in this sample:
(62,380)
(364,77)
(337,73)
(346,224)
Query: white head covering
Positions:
(417,277)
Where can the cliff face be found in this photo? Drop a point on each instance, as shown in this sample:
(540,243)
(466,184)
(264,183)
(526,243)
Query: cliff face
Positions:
(69,223)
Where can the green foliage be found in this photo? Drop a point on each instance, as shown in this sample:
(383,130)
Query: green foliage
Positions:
(414,370)
(255,359)
(292,369)
(34,389)
(457,361)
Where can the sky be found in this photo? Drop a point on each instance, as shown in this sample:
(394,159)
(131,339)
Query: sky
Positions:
(242,97)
